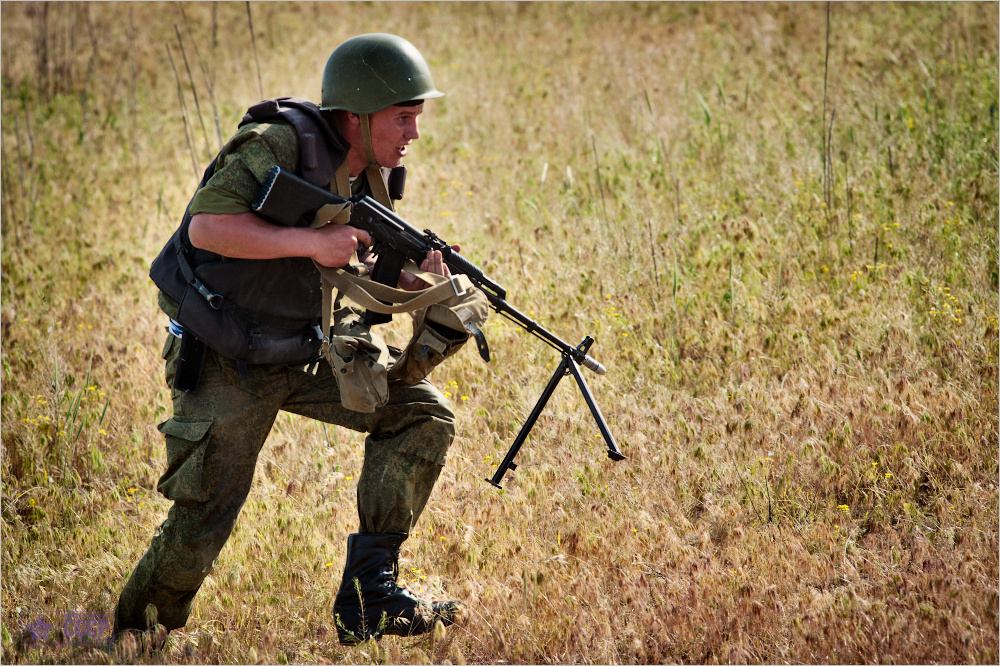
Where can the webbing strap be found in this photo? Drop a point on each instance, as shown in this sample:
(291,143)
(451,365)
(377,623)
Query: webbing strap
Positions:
(342,180)
(341,184)
(215,300)
(371,295)
(336,213)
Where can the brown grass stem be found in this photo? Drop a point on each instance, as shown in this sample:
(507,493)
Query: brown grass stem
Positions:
(652,253)
(28,182)
(184,114)
(597,170)
(207,73)
(194,91)
(743,482)
(830,197)
(20,159)
(84,92)
(133,102)
(253,42)
(41,42)
(823,127)
(10,219)
(732,296)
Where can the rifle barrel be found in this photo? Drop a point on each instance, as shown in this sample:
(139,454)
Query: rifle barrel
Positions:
(531,326)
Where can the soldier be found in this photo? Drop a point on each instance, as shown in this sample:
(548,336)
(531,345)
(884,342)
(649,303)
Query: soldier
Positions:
(243,298)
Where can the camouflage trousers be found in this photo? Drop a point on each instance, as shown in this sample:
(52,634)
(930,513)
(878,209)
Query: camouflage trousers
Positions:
(213,441)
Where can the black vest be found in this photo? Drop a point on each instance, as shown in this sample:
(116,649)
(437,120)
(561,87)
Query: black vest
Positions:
(255,310)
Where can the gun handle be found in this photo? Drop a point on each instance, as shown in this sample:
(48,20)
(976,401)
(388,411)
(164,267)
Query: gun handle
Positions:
(388,266)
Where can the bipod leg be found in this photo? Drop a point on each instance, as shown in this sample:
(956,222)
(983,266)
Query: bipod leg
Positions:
(613,452)
(508,461)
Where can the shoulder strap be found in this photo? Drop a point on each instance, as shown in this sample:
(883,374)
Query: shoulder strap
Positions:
(181,243)
(316,164)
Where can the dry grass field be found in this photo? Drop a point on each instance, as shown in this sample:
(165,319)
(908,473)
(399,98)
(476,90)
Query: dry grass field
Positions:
(786,249)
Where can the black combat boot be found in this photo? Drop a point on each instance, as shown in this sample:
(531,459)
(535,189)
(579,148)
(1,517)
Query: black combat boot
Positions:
(370,603)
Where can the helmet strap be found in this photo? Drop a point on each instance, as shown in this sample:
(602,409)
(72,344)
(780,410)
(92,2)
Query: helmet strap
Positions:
(366,135)
(341,183)
(376,179)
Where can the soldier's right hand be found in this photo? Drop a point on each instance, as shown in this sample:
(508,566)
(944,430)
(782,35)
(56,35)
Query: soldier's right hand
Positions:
(336,244)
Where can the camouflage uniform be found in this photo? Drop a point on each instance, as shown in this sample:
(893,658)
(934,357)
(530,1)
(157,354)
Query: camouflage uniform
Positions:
(216,434)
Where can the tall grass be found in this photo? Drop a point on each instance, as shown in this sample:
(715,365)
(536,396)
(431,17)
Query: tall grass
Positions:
(799,317)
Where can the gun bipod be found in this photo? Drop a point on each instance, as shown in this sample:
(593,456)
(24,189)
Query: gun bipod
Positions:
(568,366)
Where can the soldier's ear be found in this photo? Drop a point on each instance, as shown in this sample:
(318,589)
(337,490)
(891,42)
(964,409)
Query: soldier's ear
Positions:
(349,119)
(350,127)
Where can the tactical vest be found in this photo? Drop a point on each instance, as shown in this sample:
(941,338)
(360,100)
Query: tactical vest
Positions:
(254,311)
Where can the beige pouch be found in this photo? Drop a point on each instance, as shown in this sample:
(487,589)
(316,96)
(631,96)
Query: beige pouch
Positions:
(359,358)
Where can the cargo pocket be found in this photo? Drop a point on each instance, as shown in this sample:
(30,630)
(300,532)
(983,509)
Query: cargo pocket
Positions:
(186,443)
(359,366)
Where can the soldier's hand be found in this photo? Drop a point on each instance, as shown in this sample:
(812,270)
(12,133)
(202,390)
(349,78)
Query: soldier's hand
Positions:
(336,244)
(434,263)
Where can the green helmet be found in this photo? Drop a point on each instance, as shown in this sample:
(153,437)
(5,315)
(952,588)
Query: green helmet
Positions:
(368,73)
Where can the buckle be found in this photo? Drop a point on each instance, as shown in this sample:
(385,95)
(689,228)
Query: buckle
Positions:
(456,282)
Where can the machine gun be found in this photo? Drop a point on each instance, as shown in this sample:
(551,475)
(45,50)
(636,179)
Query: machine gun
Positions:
(288,200)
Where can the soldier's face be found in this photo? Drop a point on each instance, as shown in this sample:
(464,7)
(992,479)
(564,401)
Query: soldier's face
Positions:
(393,129)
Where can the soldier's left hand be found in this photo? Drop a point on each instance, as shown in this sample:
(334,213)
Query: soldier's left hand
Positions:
(434,263)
